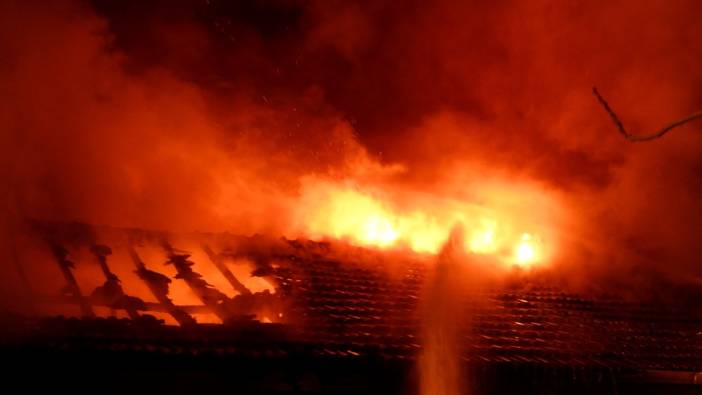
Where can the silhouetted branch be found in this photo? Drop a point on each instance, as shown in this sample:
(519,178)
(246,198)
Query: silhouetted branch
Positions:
(648,137)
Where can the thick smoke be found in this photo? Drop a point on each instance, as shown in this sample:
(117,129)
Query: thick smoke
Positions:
(205,115)
(87,138)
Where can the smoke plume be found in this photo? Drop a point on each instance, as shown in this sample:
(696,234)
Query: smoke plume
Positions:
(210,115)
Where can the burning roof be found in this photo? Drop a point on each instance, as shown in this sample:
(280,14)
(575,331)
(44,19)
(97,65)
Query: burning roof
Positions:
(345,305)
(434,170)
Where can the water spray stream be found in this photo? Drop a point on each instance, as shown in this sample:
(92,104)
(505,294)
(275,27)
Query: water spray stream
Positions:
(440,361)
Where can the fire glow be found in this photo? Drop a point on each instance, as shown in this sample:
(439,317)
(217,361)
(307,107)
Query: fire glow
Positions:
(365,218)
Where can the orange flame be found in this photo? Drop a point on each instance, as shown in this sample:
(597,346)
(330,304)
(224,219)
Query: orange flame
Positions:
(366,218)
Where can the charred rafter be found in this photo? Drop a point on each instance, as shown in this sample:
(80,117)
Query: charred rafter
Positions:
(72,288)
(111,292)
(244,306)
(210,296)
(222,267)
(159,286)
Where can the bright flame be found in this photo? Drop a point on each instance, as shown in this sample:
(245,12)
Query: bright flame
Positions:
(482,241)
(378,230)
(525,252)
(349,214)
(331,210)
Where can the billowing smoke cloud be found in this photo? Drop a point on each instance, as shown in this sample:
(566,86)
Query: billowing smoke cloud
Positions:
(206,114)
(87,138)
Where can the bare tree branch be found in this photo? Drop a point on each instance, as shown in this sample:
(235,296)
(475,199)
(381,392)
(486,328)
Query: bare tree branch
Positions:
(647,137)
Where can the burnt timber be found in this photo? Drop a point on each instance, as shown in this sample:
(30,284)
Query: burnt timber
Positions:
(348,327)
